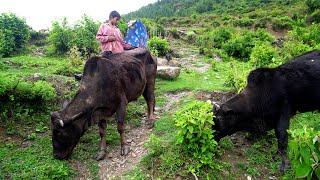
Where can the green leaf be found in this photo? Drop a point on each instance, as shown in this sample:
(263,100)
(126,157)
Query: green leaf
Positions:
(302,171)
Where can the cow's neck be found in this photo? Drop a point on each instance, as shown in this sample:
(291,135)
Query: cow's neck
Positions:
(82,103)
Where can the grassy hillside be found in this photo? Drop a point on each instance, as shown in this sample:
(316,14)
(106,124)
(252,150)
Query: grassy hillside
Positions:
(174,8)
(215,43)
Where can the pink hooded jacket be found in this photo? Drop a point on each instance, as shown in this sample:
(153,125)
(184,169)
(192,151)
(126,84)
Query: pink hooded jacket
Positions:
(103,34)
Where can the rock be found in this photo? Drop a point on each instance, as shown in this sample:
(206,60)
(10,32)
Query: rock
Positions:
(167,72)
(162,62)
(36,77)
(173,63)
(217,58)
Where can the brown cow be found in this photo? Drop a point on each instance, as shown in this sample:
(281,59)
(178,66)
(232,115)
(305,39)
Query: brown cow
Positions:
(107,86)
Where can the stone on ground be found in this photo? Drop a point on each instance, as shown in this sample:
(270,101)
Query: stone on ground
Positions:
(168,72)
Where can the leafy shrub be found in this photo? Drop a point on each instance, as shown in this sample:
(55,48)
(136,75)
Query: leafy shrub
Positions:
(191,36)
(241,45)
(237,78)
(194,123)
(153,28)
(63,37)
(313,5)
(14,34)
(75,57)
(158,46)
(84,35)
(60,37)
(261,23)
(314,17)
(14,90)
(262,55)
(203,6)
(304,152)
(294,48)
(122,26)
(307,35)
(281,23)
(38,38)
(243,22)
(215,38)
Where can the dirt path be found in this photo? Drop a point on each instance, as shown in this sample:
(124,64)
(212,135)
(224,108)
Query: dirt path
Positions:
(189,57)
(115,165)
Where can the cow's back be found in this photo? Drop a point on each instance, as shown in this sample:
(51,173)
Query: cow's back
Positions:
(302,81)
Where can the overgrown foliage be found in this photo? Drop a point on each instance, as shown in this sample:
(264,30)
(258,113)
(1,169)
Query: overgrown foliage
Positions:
(62,36)
(194,123)
(158,46)
(262,55)
(305,153)
(14,34)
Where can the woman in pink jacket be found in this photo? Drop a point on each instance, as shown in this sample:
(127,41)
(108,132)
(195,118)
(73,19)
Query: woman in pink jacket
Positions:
(110,37)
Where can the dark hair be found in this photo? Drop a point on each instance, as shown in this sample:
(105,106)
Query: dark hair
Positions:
(114,14)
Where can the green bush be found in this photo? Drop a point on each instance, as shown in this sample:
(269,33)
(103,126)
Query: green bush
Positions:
(158,46)
(84,36)
(195,135)
(215,38)
(241,45)
(262,55)
(307,35)
(237,78)
(174,33)
(313,5)
(153,28)
(38,38)
(262,22)
(294,48)
(60,37)
(281,23)
(243,22)
(304,153)
(314,17)
(14,34)
(63,37)
(12,89)
(191,36)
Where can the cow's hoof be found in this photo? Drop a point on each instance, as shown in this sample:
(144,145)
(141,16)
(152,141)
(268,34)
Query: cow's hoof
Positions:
(285,165)
(125,150)
(101,155)
(150,124)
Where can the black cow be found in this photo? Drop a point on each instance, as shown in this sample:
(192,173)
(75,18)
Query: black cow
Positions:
(107,86)
(271,98)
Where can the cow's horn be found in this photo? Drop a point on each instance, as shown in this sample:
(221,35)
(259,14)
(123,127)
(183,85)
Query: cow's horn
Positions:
(61,123)
(76,116)
(216,105)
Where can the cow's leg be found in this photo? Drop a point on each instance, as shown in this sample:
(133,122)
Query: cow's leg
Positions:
(120,116)
(282,137)
(103,146)
(148,95)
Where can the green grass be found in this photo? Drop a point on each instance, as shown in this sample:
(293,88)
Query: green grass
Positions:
(35,161)
(32,124)
(214,79)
